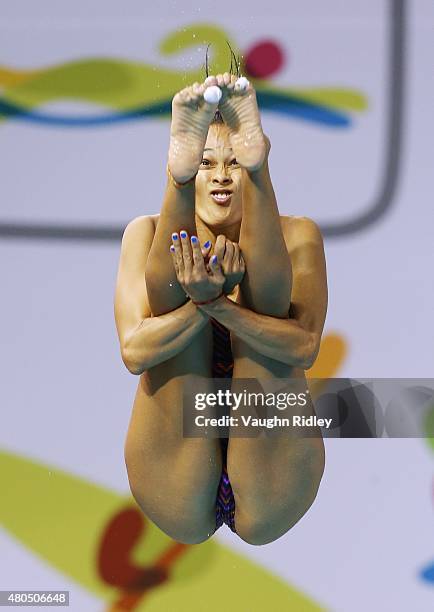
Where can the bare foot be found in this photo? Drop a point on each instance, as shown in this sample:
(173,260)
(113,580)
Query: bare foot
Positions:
(240,112)
(191,116)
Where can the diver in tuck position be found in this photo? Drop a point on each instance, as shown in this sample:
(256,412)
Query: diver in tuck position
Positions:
(232,289)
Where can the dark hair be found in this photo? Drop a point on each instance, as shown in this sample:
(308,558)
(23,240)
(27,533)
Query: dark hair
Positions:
(218,119)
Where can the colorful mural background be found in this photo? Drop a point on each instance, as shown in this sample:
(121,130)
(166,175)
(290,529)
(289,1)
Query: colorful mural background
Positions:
(84,117)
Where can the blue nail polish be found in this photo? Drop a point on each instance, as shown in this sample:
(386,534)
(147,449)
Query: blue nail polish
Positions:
(175,236)
(183,234)
(194,239)
(207,243)
(172,248)
(214,258)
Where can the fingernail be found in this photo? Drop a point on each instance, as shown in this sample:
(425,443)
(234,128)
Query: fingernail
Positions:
(207,243)
(183,234)
(214,258)
(174,236)
(194,239)
(172,248)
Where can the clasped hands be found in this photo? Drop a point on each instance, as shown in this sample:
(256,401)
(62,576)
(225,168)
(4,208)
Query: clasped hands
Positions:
(203,277)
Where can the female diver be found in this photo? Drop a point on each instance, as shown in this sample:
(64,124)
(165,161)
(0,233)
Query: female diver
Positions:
(218,284)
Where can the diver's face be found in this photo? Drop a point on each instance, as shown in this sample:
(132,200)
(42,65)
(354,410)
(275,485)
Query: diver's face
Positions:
(218,171)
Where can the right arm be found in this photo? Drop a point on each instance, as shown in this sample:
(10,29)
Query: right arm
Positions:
(145,340)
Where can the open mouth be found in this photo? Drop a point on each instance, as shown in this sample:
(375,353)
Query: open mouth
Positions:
(221,197)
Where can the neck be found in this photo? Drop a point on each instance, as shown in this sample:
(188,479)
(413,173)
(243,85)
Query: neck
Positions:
(232,231)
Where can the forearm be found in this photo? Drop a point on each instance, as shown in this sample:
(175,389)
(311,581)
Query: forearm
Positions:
(280,339)
(158,339)
(177,212)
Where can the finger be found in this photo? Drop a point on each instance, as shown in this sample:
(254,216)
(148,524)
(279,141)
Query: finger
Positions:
(220,245)
(198,261)
(178,253)
(206,248)
(236,257)
(178,273)
(175,263)
(242,264)
(229,253)
(186,252)
(215,268)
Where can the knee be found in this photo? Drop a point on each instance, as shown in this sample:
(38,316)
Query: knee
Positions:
(265,525)
(257,531)
(188,533)
(186,525)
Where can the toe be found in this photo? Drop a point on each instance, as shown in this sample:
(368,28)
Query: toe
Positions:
(195,88)
(220,81)
(211,80)
(226,78)
(242,85)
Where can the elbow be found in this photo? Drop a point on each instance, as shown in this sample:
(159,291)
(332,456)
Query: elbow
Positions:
(310,352)
(132,364)
(305,356)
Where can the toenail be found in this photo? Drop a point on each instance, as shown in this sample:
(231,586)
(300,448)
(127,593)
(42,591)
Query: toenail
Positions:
(183,234)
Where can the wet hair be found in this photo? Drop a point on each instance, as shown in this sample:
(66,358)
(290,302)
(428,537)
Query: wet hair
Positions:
(218,119)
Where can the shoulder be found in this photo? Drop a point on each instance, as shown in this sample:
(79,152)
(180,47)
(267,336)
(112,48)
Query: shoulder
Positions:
(141,229)
(144,223)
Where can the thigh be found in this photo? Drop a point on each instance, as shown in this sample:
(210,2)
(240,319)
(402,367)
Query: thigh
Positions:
(173,479)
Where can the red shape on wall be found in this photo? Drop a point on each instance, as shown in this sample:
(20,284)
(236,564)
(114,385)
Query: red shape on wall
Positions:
(264,59)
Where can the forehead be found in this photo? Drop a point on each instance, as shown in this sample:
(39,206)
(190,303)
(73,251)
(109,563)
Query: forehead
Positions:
(218,138)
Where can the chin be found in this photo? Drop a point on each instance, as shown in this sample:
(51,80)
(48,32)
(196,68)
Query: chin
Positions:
(217,217)
(211,209)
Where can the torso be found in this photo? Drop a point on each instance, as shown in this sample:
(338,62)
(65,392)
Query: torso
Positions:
(160,389)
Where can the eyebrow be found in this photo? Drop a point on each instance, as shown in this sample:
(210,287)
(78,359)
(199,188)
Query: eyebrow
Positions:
(229,148)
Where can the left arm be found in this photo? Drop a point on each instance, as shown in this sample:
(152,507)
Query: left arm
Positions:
(295,340)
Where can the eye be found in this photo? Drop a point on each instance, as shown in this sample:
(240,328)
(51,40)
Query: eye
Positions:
(205,161)
(234,161)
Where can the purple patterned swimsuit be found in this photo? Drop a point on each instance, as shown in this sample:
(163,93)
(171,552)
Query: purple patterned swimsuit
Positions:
(222,367)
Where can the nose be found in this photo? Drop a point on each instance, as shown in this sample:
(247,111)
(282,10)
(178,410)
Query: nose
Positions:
(221,176)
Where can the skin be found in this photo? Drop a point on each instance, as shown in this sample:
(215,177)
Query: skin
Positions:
(275,314)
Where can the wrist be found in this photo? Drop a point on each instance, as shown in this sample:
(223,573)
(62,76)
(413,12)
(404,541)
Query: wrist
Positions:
(206,302)
(215,304)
